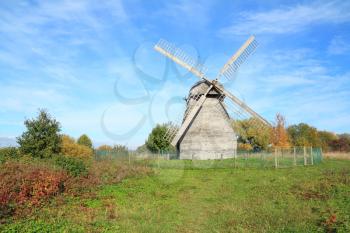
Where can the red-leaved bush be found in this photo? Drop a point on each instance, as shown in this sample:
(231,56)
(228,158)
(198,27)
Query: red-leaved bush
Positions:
(26,185)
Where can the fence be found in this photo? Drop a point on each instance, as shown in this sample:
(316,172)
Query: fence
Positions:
(272,158)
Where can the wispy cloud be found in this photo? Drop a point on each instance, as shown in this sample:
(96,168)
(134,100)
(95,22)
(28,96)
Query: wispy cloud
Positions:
(186,13)
(339,45)
(289,19)
(68,56)
(28,98)
(303,89)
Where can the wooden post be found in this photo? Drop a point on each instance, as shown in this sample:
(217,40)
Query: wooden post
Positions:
(129,158)
(312,157)
(276,162)
(305,159)
(294,156)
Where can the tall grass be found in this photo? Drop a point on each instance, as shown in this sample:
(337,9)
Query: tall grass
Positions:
(337,155)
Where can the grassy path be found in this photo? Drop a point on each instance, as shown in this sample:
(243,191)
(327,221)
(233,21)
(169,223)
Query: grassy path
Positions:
(303,199)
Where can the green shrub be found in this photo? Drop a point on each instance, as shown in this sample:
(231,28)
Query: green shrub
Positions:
(84,140)
(8,153)
(76,167)
(41,138)
(156,140)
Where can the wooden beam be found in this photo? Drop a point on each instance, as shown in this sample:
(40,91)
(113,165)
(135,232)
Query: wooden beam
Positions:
(190,117)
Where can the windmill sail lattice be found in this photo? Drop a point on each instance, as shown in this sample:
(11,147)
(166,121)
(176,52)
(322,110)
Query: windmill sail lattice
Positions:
(232,65)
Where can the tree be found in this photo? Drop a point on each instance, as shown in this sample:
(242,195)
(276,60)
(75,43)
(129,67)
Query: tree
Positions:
(156,141)
(104,147)
(72,149)
(279,134)
(344,135)
(326,139)
(251,134)
(341,144)
(121,149)
(303,135)
(84,140)
(142,149)
(41,139)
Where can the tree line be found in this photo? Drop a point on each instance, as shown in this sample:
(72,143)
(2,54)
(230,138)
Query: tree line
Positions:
(255,136)
(42,138)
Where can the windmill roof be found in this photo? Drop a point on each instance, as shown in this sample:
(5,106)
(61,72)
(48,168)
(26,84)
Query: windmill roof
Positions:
(200,87)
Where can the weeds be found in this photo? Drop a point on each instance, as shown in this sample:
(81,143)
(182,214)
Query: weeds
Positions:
(27,185)
(30,183)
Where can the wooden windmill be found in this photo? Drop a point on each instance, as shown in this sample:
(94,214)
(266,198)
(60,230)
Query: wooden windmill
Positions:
(206,131)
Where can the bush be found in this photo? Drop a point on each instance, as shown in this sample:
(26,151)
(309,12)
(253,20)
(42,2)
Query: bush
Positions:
(120,150)
(105,147)
(84,140)
(8,153)
(27,185)
(41,139)
(71,149)
(76,167)
(156,141)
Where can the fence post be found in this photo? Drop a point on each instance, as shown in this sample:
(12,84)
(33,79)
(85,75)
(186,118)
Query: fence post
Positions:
(234,160)
(129,158)
(158,158)
(276,162)
(305,161)
(312,157)
(295,156)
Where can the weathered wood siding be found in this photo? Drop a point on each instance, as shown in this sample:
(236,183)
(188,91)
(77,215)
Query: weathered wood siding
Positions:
(210,135)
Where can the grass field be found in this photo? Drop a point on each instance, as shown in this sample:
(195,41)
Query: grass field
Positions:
(300,199)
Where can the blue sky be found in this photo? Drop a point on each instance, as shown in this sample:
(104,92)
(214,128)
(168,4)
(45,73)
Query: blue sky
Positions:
(91,64)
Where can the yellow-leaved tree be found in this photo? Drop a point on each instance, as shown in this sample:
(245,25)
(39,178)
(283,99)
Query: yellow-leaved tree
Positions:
(70,148)
(279,133)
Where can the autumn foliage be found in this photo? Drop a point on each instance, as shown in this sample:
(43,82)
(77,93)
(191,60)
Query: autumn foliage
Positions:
(70,148)
(279,133)
(28,185)
(105,147)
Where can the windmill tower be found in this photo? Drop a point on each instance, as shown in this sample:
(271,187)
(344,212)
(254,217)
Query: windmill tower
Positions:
(206,129)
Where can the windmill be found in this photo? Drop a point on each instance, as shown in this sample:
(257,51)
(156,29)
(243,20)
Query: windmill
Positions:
(205,131)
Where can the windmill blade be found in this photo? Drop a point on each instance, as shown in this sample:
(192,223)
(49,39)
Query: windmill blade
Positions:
(189,117)
(243,105)
(229,108)
(232,65)
(180,57)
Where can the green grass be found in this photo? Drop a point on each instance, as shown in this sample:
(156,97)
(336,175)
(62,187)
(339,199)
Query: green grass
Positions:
(300,199)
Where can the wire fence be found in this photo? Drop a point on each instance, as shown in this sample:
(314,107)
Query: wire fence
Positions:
(271,158)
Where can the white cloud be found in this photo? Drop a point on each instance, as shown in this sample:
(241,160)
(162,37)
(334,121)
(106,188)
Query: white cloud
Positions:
(28,99)
(289,19)
(303,89)
(339,45)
